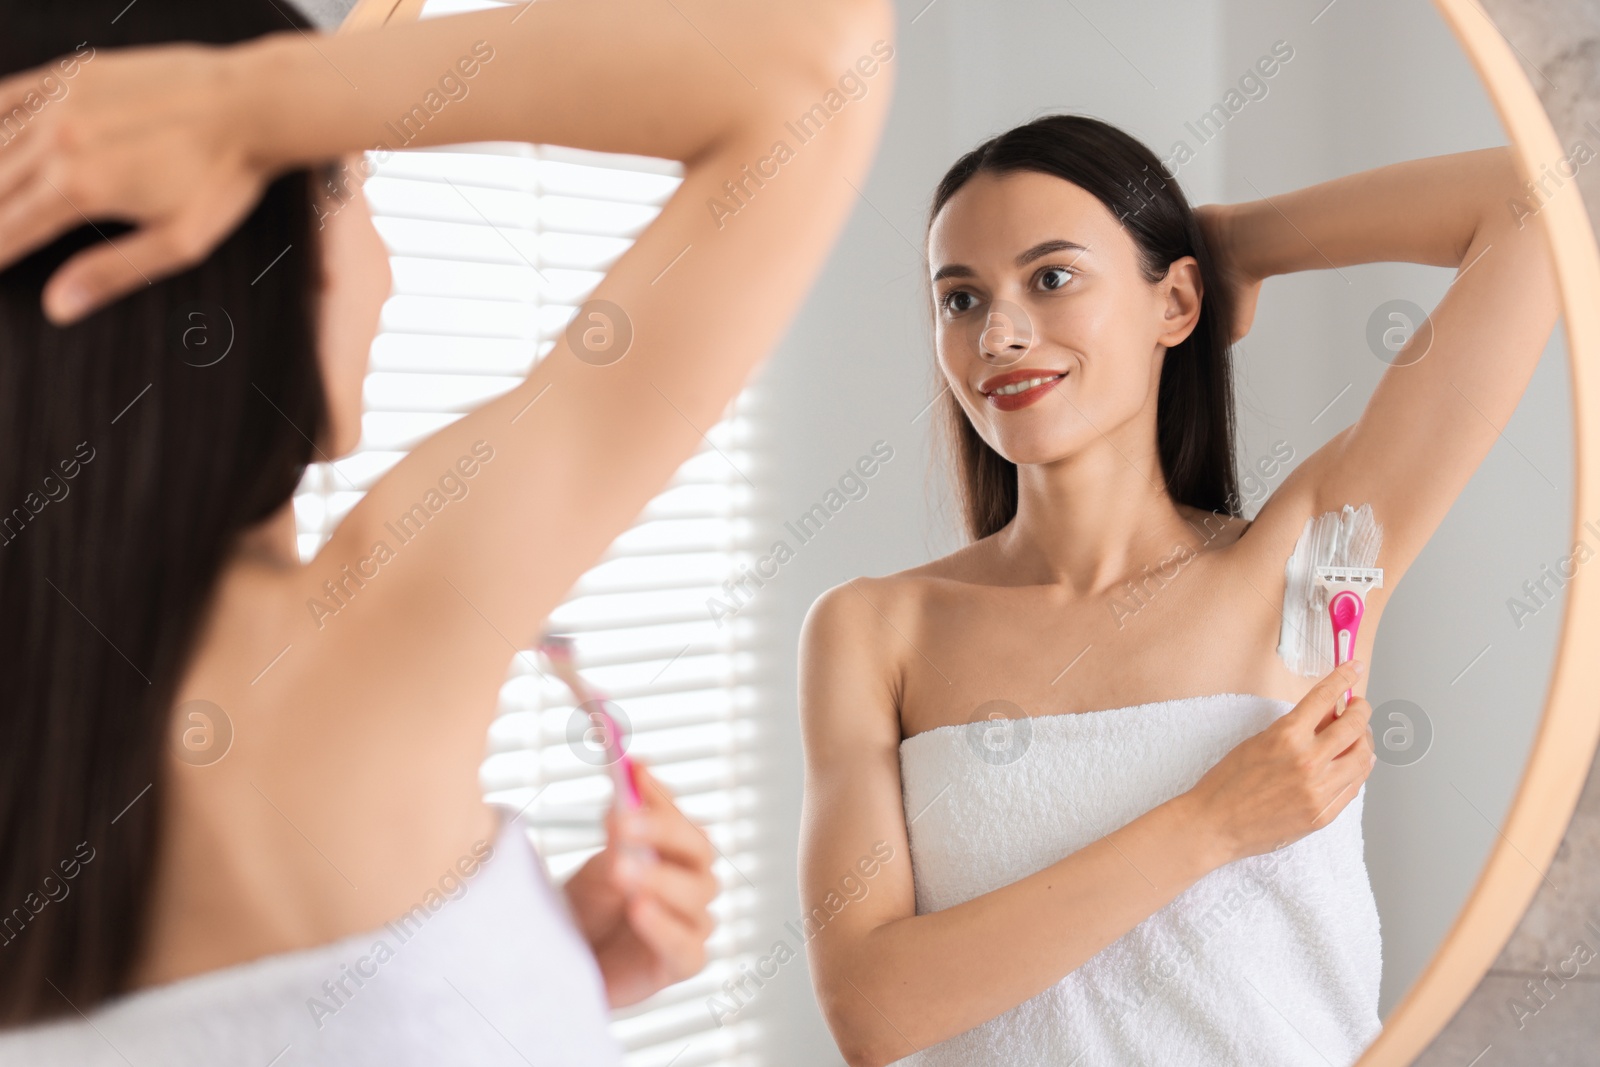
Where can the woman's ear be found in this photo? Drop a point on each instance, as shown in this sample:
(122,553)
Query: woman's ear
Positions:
(1181,290)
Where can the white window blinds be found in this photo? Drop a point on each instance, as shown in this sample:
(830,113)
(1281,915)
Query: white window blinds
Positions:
(493,247)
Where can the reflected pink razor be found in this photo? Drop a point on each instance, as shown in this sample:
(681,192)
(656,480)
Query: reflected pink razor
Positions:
(1345,608)
(557,651)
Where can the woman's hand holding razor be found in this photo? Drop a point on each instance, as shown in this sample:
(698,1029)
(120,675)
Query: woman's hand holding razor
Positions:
(1292,778)
(643,901)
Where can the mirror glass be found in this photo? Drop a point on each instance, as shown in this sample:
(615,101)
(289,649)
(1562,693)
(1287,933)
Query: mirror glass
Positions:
(1241,101)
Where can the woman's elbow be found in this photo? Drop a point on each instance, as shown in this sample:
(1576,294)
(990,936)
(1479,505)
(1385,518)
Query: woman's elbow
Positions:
(864,1038)
(869,1050)
(834,35)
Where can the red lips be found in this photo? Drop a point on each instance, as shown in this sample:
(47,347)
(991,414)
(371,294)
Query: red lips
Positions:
(1013,401)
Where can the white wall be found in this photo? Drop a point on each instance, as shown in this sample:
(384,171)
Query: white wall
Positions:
(1368,85)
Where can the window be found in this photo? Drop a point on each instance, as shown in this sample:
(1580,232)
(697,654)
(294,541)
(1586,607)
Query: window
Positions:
(493,248)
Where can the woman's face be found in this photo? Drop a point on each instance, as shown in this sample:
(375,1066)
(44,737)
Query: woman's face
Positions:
(1034,278)
(355,283)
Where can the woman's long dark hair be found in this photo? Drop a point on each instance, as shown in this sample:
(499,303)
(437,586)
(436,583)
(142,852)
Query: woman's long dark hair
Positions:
(133,451)
(1194,407)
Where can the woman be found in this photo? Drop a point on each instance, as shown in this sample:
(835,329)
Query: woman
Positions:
(1070,749)
(328,886)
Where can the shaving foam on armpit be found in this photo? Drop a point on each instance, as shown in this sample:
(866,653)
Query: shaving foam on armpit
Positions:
(1347,538)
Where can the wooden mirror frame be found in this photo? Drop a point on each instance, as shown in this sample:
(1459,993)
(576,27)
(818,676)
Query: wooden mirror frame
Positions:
(1564,745)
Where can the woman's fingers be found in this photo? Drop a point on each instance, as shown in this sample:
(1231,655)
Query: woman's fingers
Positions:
(1348,785)
(21,148)
(109,270)
(1323,697)
(1346,730)
(19,156)
(654,794)
(1350,768)
(666,828)
(100,274)
(37,211)
(677,839)
(687,892)
(680,879)
(1353,761)
(146,137)
(30,216)
(679,945)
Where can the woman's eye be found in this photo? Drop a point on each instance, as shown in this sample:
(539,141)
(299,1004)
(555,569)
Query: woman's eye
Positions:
(1062,274)
(949,299)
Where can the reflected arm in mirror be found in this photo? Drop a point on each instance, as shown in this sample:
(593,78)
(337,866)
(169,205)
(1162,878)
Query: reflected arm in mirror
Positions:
(1449,391)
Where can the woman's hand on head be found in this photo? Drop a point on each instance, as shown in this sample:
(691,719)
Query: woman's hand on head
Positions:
(1292,778)
(646,917)
(149,136)
(1243,288)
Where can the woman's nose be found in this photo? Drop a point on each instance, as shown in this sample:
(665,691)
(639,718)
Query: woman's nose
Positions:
(1006,335)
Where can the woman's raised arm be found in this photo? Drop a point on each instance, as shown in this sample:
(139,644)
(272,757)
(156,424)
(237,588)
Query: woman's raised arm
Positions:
(181,138)
(775,110)
(1451,389)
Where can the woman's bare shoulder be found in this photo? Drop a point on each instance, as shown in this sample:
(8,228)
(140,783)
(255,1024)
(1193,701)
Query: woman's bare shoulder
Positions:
(900,595)
(858,635)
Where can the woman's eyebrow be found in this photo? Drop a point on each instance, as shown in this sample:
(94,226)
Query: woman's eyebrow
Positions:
(1043,248)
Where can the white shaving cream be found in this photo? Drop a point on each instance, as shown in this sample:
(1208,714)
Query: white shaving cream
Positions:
(1346,538)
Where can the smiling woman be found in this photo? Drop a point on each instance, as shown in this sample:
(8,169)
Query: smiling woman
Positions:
(1087,161)
(1188,806)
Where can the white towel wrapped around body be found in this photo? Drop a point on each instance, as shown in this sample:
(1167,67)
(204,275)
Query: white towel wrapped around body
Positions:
(1273,959)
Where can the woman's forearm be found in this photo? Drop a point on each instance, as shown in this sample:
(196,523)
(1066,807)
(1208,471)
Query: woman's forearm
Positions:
(1417,211)
(651,83)
(925,978)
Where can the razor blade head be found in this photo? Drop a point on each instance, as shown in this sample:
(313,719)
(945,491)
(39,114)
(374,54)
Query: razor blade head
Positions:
(1356,578)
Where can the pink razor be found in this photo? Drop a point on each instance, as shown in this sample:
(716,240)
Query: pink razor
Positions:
(1345,608)
(557,652)
(622,775)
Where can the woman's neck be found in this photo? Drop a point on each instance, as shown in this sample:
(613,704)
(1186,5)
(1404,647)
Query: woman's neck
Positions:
(1085,522)
(274,542)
